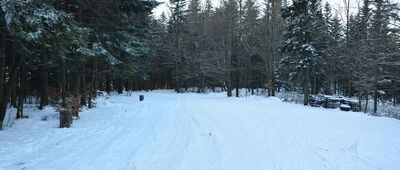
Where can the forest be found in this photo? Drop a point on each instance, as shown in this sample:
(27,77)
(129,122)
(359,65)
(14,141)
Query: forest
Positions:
(62,52)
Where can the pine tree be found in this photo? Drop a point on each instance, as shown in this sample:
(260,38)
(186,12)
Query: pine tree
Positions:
(230,20)
(333,45)
(61,47)
(177,27)
(381,46)
(33,24)
(272,25)
(250,42)
(299,43)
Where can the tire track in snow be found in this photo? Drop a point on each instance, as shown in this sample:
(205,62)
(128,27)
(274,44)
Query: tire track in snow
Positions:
(203,148)
(106,132)
(190,131)
(169,141)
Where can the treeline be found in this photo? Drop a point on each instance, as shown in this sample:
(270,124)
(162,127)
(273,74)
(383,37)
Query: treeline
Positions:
(298,45)
(63,50)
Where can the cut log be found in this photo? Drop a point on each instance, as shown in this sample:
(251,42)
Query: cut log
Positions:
(65,118)
(345,107)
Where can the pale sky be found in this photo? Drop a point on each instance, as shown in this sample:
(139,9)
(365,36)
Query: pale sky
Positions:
(337,5)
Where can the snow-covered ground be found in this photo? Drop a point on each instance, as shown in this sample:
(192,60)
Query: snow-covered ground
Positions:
(195,131)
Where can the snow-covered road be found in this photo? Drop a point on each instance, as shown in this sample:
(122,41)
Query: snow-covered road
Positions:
(169,131)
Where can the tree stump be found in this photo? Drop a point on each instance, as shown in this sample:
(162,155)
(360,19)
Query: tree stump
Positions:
(65,118)
(141,98)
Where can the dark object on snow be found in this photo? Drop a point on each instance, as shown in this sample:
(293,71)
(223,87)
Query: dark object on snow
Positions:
(329,103)
(314,101)
(334,102)
(44,118)
(141,97)
(355,107)
(65,118)
(345,107)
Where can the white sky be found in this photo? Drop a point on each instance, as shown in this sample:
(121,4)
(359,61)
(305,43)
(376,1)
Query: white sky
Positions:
(337,5)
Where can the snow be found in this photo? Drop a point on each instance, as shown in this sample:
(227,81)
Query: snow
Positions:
(201,131)
(10,117)
(345,106)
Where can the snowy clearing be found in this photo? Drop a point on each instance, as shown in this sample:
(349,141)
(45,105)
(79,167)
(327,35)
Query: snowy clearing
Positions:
(194,131)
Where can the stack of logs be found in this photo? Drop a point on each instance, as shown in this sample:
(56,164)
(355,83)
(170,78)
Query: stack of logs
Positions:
(334,102)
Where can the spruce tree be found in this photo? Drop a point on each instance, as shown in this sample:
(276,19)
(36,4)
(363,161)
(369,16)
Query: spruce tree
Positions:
(177,27)
(382,46)
(299,43)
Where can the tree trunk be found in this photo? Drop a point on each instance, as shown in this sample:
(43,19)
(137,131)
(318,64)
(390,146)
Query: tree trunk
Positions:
(44,82)
(120,86)
(229,68)
(2,80)
(349,85)
(375,101)
(237,76)
(127,85)
(366,103)
(76,83)
(177,54)
(315,85)
(306,86)
(108,84)
(274,26)
(21,94)
(91,91)
(7,87)
(83,89)
(14,64)
(269,79)
(375,83)
(64,88)
(237,82)
(229,84)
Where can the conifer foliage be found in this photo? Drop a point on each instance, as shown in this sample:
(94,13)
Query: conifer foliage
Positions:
(67,50)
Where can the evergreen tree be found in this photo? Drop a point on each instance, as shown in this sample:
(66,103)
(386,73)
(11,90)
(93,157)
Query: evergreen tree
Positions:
(250,41)
(382,46)
(230,20)
(61,44)
(272,30)
(333,46)
(299,42)
(177,27)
